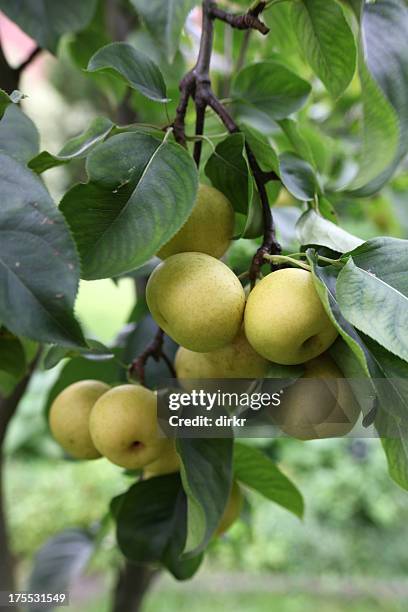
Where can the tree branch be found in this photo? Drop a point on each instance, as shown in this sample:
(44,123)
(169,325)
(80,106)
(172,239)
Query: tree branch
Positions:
(248,21)
(153,350)
(197,85)
(8,407)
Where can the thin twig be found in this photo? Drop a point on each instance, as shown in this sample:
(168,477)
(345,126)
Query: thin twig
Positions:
(155,351)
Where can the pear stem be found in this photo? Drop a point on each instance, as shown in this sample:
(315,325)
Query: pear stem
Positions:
(285,259)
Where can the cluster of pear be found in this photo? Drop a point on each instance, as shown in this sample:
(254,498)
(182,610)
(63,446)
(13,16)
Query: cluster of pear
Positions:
(89,419)
(200,303)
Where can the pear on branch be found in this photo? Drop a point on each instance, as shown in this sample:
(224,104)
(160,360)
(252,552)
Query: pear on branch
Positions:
(209,229)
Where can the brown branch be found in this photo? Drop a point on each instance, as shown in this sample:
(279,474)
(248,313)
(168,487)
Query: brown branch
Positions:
(155,351)
(197,85)
(248,21)
(8,407)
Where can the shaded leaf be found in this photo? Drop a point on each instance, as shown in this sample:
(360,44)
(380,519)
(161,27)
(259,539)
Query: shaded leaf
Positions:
(206,473)
(326,41)
(271,88)
(19,137)
(298,177)
(76,148)
(134,67)
(47,20)
(39,268)
(164,20)
(141,192)
(257,471)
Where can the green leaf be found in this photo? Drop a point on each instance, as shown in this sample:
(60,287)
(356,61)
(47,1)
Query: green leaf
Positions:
(47,20)
(151,524)
(165,19)
(141,192)
(133,67)
(386,258)
(325,283)
(60,560)
(396,452)
(76,148)
(298,177)
(314,229)
(270,88)
(380,125)
(384,28)
(257,471)
(264,152)
(300,145)
(39,268)
(19,137)
(228,171)
(375,308)
(12,355)
(206,473)
(326,41)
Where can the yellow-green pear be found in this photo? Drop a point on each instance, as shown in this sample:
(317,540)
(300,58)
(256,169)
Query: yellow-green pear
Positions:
(167,463)
(235,360)
(324,407)
(69,417)
(285,321)
(197,300)
(209,228)
(232,509)
(124,427)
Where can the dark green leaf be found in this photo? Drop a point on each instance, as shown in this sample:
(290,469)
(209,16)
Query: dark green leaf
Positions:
(5,99)
(385,25)
(326,41)
(12,355)
(271,88)
(207,479)
(141,192)
(47,20)
(39,268)
(257,471)
(136,69)
(151,523)
(76,148)
(165,20)
(228,171)
(298,177)
(59,561)
(19,137)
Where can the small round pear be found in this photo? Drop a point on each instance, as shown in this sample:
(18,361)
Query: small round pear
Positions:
(235,360)
(324,407)
(124,427)
(167,463)
(209,229)
(197,300)
(232,509)
(285,321)
(69,417)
